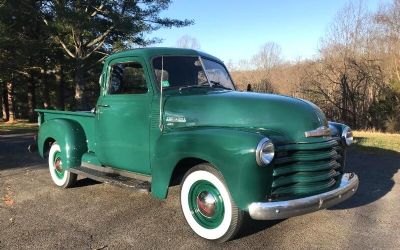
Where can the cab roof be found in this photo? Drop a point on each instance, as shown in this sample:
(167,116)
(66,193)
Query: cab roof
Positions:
(149,53)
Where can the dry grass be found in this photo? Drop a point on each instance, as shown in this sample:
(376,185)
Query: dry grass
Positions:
(19,126)
(376,141)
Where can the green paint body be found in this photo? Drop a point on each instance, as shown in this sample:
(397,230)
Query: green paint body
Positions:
(219,126)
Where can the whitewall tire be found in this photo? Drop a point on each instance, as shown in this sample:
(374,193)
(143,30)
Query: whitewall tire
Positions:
(60,176)
(207,204)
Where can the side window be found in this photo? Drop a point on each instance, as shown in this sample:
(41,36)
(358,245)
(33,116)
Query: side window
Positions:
(127,78)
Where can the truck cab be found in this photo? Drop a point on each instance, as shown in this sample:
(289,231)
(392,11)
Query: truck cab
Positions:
(167,116)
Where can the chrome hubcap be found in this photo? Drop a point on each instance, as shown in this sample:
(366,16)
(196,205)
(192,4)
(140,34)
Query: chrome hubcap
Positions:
(206,203)
(58,165)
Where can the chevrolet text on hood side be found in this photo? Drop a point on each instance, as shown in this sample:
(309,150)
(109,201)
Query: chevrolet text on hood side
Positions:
(167,115)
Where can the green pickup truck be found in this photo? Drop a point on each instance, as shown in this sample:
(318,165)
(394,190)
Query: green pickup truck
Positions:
(167,116)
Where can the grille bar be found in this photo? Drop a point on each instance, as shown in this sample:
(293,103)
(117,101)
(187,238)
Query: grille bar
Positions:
(306,168)
(308,146)
(308,156)
(304,189)
(305,177)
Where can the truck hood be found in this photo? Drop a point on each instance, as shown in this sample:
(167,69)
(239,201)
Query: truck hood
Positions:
(273,115)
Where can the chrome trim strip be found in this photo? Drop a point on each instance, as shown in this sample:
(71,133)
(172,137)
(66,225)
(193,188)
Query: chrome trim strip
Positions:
(285,209)
(321,131)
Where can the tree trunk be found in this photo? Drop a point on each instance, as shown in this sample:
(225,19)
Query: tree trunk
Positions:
(10,99)
(31,98)
(1,101)
(46,89)
(343,82)
(60,85)
(6,114)
(80,97)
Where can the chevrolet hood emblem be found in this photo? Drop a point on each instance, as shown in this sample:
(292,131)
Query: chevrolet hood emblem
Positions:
(321,131)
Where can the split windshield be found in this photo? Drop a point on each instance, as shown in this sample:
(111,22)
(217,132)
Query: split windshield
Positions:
(187,71)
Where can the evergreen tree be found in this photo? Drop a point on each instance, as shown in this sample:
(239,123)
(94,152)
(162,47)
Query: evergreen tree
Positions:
(88,30)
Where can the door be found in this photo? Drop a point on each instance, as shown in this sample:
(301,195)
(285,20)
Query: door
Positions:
(122,116)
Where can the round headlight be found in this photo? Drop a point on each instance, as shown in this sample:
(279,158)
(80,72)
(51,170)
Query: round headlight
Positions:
(265,152)
(347,136)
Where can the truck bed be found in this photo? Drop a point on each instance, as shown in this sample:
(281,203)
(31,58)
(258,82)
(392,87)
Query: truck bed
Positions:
(84,118)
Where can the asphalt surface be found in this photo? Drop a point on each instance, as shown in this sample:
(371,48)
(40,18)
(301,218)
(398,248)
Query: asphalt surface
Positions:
(34,214)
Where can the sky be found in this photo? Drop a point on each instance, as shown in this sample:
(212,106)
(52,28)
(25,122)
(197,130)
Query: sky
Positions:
(234,30)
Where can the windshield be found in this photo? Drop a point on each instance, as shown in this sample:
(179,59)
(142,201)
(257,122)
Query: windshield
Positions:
(184,71)
(217,73)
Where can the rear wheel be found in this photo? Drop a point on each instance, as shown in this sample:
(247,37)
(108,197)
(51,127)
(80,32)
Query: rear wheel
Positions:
(60,176)
(207,204)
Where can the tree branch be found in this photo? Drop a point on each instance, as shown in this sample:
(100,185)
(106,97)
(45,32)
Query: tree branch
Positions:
(98,9)
(93,50)
(74,37)
(64,47)
(101,37)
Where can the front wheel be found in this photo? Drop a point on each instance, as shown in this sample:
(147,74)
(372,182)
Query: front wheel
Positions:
(207,204)
(60,176)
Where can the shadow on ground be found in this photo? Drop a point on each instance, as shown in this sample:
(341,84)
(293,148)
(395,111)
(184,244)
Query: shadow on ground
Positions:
(251,226)
(14,152)
(375,168)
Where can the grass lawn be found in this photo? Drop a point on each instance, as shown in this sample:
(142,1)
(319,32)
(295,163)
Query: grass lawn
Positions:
(19,126)
(377,141)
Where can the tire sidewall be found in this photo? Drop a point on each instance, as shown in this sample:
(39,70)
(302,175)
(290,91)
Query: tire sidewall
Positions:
(198,174)
(61,182)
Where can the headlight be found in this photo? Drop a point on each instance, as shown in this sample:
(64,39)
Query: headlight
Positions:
(265,152)
(347,136)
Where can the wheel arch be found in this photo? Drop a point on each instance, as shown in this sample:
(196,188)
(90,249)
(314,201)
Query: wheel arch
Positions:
(47,145)
(182,167)
(69,134)
(230,151)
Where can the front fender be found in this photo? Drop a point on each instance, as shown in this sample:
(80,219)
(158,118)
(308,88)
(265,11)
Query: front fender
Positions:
(69,135)
(231,151)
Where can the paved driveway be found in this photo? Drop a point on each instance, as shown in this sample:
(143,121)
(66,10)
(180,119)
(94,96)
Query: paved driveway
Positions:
(36,214)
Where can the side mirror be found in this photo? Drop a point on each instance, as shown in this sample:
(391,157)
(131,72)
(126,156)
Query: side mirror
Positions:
(249,88)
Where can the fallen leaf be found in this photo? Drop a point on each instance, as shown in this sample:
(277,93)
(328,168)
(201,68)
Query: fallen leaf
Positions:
(8,200)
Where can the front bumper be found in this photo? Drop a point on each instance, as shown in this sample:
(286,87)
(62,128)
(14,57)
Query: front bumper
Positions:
(285,209)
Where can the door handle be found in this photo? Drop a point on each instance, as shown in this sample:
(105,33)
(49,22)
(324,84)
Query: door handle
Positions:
(103,105)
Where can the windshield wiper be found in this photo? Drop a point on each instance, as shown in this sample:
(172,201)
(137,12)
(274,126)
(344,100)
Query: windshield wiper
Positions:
(193,86)
(216,84)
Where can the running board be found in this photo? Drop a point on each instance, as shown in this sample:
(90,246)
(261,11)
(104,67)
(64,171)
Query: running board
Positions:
(112,178)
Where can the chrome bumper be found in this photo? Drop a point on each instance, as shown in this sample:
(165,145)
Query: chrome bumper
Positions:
(285,209)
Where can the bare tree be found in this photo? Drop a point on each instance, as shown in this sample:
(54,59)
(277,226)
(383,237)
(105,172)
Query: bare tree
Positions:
(388,33)
(347,80)
(346,35)
(356,76)
(188,42)
(269,56)
(387,37)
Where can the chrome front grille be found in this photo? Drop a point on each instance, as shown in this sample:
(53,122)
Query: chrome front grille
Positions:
(306,168)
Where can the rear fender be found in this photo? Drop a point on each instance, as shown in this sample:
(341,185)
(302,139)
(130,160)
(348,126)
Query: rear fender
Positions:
(69,135)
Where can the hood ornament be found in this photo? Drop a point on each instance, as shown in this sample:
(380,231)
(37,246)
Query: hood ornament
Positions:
(321,131)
